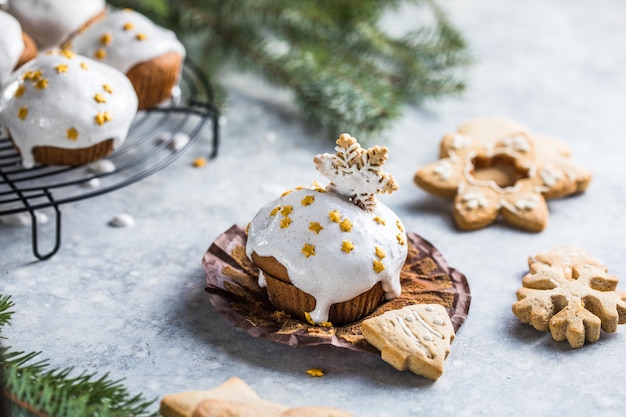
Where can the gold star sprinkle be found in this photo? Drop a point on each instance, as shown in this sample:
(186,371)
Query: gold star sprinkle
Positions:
(379,220)
(103,117)
(100,54)
(84,65)
(347,246)
(308,200)
(32,75)
(345,225)
(141,36)
(315,372)
(61,68)
(67,53)
(334,216)
(128,26)
(107,88)
(286,193)
(19,92)
(22,112)
(308,250)
(106,39)
(41,84)
(378,267)
(299,187)
(199,162)
(274,211)
(315,227)
(72,134)
(380,253)
(286,210)
(284,223)
(99,98)
(400,239)
(399,226)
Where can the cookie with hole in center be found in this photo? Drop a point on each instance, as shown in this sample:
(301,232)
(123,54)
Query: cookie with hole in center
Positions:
(495,168)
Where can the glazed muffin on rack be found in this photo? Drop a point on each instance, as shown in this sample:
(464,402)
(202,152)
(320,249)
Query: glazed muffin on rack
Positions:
(66,109)
(151,56)
(52,22)
(16,47)
(332,254)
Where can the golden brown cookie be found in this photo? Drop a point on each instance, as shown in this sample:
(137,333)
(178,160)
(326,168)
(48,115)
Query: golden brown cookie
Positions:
(235,398)
(232,391)
(571,294)
(494,167)
(315,412)
(416,338)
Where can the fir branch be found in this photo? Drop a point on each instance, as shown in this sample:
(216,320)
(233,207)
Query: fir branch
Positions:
(345,71)
(31,386)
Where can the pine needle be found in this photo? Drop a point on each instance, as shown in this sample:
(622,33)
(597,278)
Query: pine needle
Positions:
(33,388)
(346,73)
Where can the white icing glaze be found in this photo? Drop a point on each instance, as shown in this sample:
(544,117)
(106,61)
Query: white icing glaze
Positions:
(443,169)
(517,143)
(474,200)
(125,38)
(68,101)
(51,22)
(331,275)
(550,175)
(528,203)
(460,141)
(11,45)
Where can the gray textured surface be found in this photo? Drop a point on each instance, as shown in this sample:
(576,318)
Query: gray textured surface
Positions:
(130,301)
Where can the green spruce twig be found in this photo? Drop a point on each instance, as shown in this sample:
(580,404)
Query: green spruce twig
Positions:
(346,73)
(31,387)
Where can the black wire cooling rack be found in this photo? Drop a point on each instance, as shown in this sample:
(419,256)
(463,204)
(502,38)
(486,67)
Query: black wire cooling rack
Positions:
(149,147)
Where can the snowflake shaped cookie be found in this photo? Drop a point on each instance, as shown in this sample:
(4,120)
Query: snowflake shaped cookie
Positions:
(571,294)
(494,167)
(355,172)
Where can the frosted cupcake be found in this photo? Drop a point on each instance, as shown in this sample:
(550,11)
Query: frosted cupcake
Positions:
(16,47)
(52,22)
(332,254)
(65,109)
(151,56)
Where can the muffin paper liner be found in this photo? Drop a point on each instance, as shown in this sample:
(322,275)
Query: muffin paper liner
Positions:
(234,292)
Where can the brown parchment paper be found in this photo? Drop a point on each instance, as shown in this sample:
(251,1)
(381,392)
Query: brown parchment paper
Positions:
(234,292)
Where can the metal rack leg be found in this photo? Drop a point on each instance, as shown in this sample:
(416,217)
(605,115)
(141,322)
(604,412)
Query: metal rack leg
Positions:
(35,233)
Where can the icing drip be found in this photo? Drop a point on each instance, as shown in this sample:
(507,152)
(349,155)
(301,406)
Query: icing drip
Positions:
(11,45)
(323,256)
(51,22)
(444,170)
(42,106)
(125,38)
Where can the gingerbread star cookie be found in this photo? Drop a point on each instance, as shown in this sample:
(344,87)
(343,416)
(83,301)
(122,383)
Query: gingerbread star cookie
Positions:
(494,167)
(571,294)
(415,337)
(234,398)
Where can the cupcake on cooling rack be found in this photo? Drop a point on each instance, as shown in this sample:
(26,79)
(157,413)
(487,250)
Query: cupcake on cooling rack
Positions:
(16,47)
(66,109)
(52,22)
(151,56)
(332,254)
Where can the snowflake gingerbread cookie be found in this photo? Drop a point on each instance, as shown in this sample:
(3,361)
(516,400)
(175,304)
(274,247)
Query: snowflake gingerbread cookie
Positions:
(571,294)
(493,167)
